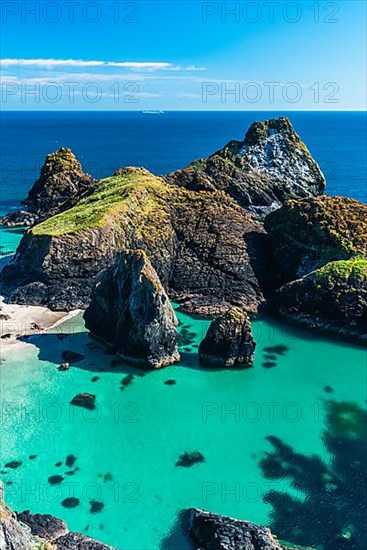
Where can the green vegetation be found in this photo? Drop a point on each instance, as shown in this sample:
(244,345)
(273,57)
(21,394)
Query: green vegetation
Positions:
(132,187)
(351,270)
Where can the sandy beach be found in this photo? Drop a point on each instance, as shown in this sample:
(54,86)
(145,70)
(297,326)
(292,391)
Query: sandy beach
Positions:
(20,320)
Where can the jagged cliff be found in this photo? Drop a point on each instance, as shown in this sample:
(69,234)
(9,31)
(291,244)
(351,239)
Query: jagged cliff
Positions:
(208,250)
(268,167)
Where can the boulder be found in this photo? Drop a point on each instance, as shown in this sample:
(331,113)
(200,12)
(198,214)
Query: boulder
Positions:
(76,541)
(268,167)
(308,233)
(215,532)
(131,311)
(229,341)
(331,299)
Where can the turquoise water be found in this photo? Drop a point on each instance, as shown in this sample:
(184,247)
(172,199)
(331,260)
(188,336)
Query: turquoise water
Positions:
(126,451)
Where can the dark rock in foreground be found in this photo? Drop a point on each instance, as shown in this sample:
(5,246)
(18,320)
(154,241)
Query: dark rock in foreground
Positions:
(26,531)
(44,526)
(214,532)
(331,299)
(76,541)
(229,341)
(131,311)
(268,167)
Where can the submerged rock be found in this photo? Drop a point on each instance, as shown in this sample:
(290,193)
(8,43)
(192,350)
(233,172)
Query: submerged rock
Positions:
(187,459)
(85,400)
(214,532)
(268,167)
(229,341)
(131,311)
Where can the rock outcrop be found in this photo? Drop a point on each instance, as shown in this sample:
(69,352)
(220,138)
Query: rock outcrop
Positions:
(208,252)
(215,532)
(26,531)
(229,341)
(308,233)
(268,167)
(331,299)
(131,311)
(62,183)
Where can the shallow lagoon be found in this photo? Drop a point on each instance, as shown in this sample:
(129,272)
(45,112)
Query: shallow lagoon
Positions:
(126,450)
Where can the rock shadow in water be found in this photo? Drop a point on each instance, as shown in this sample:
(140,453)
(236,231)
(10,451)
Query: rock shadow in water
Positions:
(331,509)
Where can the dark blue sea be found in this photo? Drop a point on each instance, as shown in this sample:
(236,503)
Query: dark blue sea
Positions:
(105,141)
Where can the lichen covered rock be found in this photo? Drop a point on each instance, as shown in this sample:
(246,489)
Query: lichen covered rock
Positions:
(332,299)
(131,311)
(308,233)
(229,341)
(268,167)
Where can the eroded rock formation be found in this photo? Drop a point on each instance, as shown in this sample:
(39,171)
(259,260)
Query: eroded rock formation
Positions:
(229,341)
(131,311)
(268,167)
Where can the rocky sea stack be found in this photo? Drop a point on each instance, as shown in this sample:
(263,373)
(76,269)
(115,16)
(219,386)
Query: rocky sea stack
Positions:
(131,311)
(61,184)
(229,341)
(268,167)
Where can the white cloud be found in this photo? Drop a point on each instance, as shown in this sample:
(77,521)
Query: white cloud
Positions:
(133,65)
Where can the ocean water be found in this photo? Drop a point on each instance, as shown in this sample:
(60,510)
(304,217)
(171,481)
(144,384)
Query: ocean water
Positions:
(105,141)
(284,443)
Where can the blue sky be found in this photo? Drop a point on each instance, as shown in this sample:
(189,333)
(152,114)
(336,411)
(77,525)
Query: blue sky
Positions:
(271,55)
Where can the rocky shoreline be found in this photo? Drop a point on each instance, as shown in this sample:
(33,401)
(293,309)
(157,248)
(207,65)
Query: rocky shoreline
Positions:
(26,531)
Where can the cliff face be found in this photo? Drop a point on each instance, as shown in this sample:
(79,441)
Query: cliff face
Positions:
(207,251)
(130,310)
(268,167)
(306,234)
(320,245)
(332,299)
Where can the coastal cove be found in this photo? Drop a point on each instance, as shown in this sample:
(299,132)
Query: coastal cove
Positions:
(227,416)
(117,451)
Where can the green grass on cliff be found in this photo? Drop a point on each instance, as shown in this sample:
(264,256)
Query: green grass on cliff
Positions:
(129,189)
(353,269)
